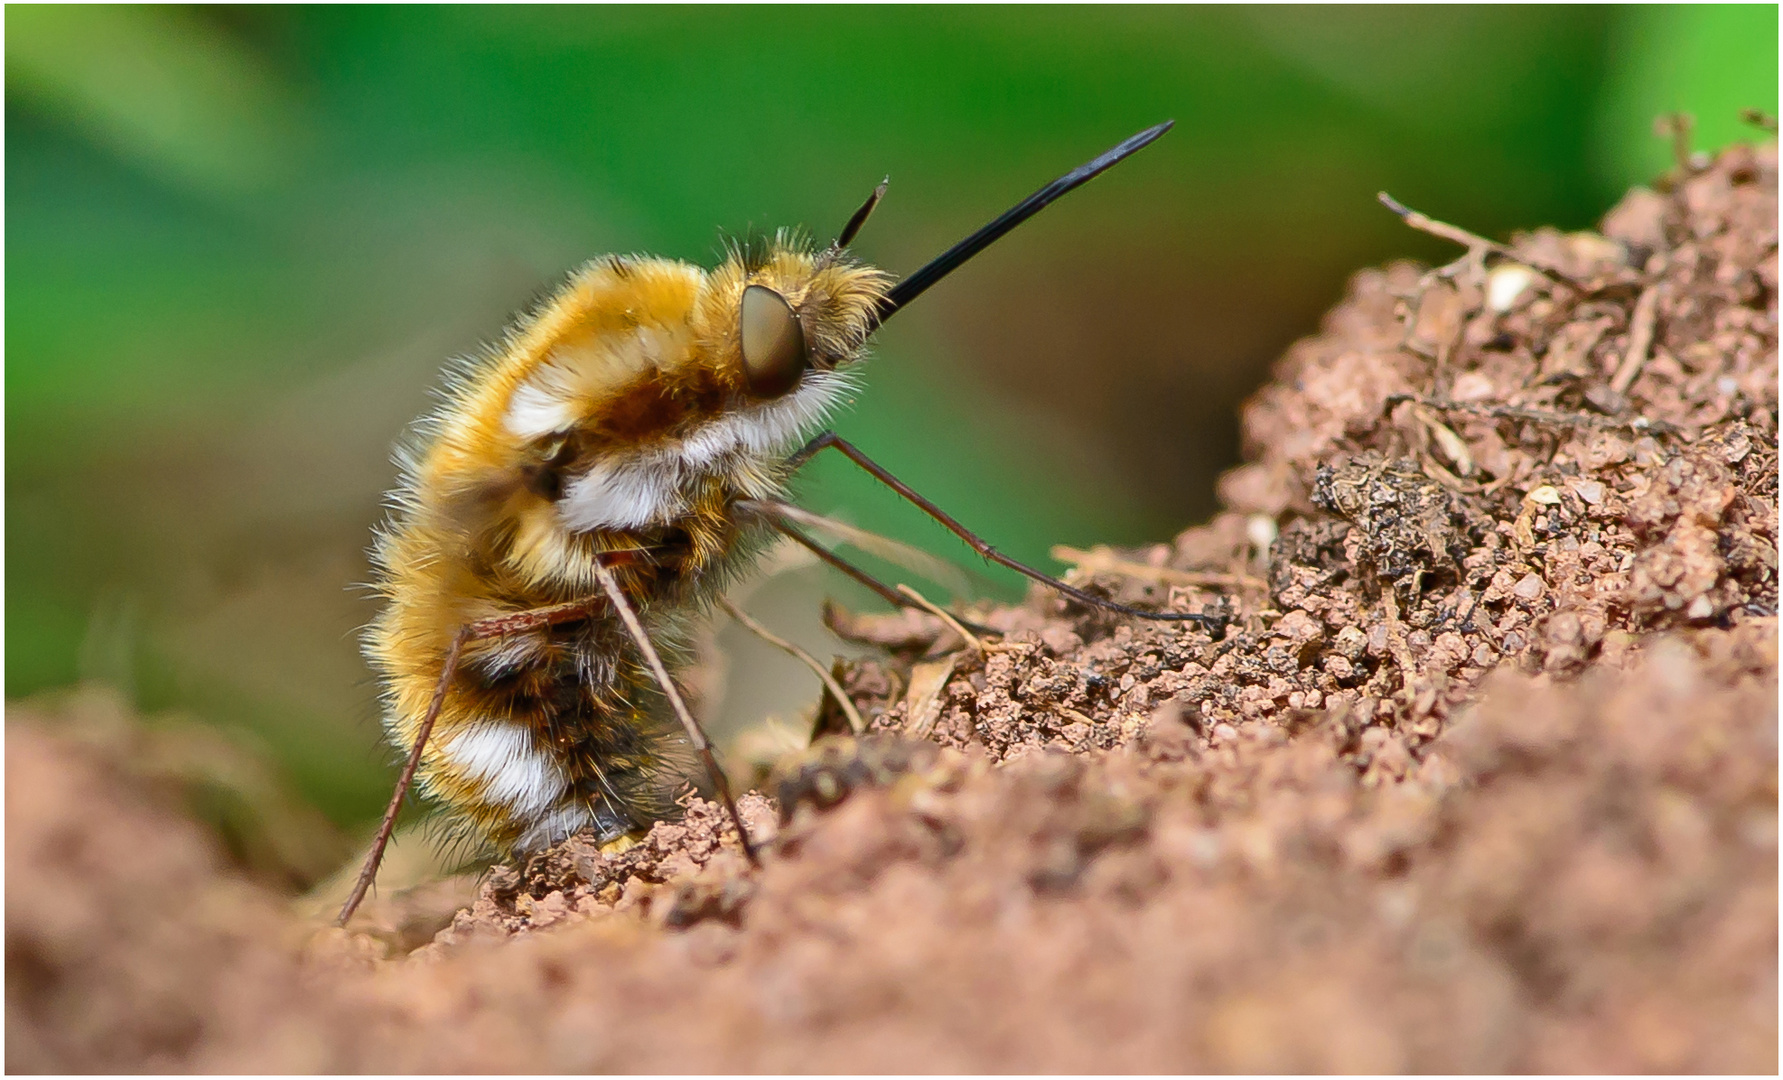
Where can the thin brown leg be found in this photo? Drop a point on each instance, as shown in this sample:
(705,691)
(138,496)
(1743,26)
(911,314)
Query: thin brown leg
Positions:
(855,722)
(909,557)
(695,734)
(886,592)
(497,626)
(891,595)
(376,856)
(973,540)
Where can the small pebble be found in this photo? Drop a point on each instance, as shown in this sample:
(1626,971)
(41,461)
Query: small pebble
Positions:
(1505,284)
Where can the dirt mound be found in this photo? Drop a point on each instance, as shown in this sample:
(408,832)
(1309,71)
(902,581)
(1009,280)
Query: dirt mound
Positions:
(1479,773)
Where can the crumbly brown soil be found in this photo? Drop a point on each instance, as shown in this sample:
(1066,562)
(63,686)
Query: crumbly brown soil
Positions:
(1480,775)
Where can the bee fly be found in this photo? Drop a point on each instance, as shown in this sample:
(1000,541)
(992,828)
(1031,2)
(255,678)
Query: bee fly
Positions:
(586,493)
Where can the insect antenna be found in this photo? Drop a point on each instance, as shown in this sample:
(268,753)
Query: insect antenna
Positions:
(860,216)
(948,261)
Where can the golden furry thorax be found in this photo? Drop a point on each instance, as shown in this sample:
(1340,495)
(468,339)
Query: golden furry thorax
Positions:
(646,349)
(633,356)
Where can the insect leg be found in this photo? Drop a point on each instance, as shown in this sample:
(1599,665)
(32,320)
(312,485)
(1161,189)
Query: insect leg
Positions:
(906,556)
(369,871)
(497,626)
(973,540)
(890,594)
(694,734)
(886,592)
(843,701)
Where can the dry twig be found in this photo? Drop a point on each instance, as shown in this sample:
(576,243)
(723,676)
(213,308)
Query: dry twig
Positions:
(1640,340)
(1538,416)
(1101,559)
(1477,246)
(941,613)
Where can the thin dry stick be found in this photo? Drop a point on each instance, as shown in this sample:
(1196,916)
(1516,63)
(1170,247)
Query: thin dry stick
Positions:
(858,725)
(1452,445)
(1535,416)
(694,734)
(1473,242)
(1677,127)
(1640,340)
(1441,229)
(934,609)
(1099,559)
(1396,643)
(922,698)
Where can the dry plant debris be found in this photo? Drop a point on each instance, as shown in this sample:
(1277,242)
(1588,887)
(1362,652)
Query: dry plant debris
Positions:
(1481,774)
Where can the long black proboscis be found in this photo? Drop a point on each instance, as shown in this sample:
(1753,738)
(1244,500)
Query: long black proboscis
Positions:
(916,284)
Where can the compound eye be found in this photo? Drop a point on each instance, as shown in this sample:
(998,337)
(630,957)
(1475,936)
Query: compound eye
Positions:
(774,355)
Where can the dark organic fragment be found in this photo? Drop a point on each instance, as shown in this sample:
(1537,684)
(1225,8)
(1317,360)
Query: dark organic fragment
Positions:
(837,766)
(1409,523)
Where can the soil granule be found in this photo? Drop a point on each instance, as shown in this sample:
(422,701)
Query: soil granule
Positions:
(1477,773)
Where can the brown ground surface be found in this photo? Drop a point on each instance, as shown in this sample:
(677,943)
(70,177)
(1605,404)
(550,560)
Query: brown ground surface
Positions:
(1481,776)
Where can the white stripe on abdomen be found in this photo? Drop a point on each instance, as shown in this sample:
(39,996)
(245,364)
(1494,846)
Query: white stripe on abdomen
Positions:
(629,491)
(513,772)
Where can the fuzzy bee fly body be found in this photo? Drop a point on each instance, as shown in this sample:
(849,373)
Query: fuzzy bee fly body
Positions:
(630,414)
(585,495)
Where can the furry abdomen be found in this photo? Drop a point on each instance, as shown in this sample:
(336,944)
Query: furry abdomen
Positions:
(546,733)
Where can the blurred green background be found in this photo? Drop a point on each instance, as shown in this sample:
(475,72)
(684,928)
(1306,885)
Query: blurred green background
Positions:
(241,241)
